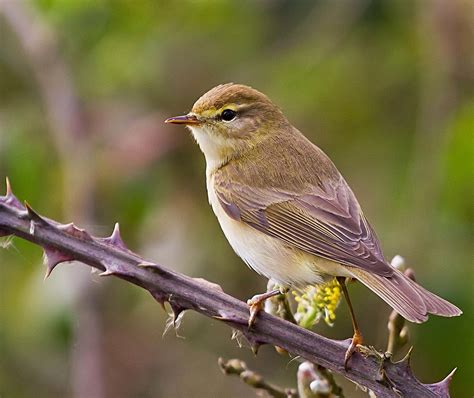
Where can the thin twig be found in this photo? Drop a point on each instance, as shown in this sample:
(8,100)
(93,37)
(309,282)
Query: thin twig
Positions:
(239,368)
(315,381)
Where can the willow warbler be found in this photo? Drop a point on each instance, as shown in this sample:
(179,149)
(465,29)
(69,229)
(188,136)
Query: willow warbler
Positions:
(285,208)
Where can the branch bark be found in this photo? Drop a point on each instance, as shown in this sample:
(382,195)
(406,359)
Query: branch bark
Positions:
(67,242)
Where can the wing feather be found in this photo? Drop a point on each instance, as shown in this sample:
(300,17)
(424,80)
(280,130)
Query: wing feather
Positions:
(325,222)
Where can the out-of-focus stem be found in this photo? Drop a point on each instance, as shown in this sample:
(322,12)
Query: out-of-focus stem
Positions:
(239,368)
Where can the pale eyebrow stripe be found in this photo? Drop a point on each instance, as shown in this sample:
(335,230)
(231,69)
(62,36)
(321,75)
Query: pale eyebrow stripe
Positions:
(243,108)
(237,108)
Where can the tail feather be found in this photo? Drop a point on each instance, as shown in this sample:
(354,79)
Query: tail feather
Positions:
(405,296)
(435,304)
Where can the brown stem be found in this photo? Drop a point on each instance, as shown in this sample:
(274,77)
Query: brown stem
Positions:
(239,368)
(315,381)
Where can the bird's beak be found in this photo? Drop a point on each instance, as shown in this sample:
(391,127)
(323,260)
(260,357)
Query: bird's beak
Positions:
(185,119)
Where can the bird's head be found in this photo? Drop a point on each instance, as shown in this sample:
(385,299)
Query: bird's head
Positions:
(231,119)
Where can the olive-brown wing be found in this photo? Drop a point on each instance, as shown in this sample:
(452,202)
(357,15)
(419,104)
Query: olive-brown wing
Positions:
(325,222)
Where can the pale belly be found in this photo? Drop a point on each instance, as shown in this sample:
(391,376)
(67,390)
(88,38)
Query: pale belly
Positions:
(271,257)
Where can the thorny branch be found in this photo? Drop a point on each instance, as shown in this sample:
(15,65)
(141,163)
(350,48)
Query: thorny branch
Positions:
(66,242)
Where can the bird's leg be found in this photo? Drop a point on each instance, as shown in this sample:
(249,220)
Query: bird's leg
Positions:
(256,303)
(357,338)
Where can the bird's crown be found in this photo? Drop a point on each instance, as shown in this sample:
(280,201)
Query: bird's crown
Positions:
(229,95)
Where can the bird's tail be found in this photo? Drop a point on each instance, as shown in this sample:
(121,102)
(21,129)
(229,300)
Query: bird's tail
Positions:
(405,296)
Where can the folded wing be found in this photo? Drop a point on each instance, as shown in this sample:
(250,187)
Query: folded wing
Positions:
(325,221)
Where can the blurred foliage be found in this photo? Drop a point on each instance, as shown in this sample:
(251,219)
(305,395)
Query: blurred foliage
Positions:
(385,88)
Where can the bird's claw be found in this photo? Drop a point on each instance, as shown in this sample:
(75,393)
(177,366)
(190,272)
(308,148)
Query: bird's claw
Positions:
(355,342)
(255,306)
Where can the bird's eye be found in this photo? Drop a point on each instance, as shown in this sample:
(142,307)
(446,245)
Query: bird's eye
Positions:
(228,115)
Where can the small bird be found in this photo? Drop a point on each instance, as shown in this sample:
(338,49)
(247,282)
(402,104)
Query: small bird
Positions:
(287,211)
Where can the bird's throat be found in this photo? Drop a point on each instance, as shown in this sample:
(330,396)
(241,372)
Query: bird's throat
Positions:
(218,150)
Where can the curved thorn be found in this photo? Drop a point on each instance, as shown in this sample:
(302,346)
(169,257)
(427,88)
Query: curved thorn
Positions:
(73,230)
(9,187)
(177,311)
(52,258)
(116,239)
(10,198)
(254,343)
(47,273)
(255,347)
(442,387)
(34,216)
(65,227)
(109,268)
(159,297)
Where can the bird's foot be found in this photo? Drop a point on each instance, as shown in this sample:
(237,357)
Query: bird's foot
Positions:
(256,304)
(356,341)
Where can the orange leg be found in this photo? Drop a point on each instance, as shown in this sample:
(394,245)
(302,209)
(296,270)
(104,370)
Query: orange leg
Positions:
(357,338)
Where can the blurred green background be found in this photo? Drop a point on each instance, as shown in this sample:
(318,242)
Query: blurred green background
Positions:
(384,87)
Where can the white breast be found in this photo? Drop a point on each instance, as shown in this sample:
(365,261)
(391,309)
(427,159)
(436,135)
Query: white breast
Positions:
(266,255)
